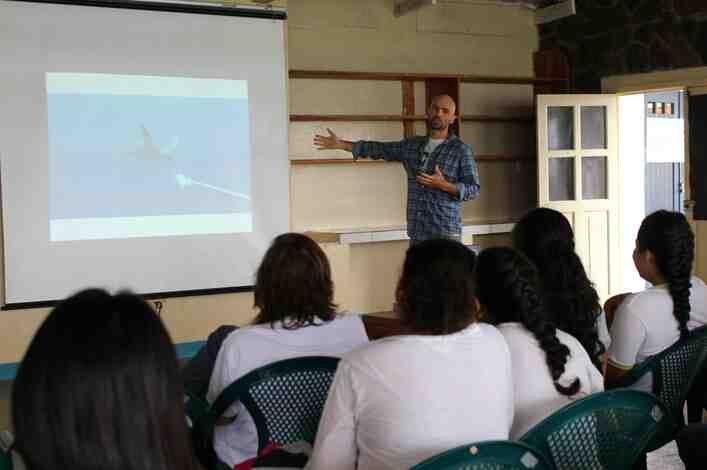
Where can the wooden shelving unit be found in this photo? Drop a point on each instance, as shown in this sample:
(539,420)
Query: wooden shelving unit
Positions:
(351,161)
(400,117)
(423,77)
(434,85)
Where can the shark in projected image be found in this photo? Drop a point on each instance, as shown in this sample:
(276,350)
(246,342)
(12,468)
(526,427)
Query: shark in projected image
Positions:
(150,151)
(136,156)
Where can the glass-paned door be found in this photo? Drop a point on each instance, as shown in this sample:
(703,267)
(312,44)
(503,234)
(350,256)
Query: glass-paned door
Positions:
(577,175)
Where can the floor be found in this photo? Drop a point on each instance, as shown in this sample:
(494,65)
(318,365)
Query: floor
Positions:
(665,458)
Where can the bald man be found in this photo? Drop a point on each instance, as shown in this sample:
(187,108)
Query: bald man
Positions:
(441,172)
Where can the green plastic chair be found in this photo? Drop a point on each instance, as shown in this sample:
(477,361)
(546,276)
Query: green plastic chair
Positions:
(672,373)
(488,455)
(5,461)
(196,408)
(285,399)
(604,431)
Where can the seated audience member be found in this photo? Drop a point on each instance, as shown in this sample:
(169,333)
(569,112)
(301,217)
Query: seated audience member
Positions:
(550,367)
(196,373)
(297,317)
(402,399)
(99,389)
(648,322)
(571,302)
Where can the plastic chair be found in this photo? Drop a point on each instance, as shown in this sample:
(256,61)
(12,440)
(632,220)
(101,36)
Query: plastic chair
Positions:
(196,408)
(672,373)
(5,461)
(285,399)
(488,455)
(604,431)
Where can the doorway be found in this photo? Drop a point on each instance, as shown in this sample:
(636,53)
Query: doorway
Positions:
(651,166)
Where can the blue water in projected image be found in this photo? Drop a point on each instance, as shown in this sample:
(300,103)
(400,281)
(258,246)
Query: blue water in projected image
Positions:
(129,155)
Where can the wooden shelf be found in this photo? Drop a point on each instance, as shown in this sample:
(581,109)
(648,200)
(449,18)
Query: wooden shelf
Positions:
(350,161)
(355,117)
(401,117)
(419,77)
(333,161)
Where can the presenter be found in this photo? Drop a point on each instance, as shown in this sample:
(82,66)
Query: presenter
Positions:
(440,168)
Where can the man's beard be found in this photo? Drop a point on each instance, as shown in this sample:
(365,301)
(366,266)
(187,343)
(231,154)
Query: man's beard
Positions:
(437,124)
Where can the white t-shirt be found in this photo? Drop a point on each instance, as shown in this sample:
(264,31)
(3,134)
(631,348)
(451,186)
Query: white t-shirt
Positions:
(254,346)
(400,400)
(644,324)
(535,394)
(430,147)
(603,330)
(432,144)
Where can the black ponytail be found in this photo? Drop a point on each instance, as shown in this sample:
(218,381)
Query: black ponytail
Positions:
(571,302)
(669,237)
(507,288)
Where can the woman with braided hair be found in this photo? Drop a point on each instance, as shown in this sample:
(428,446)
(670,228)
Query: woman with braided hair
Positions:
(650,321)
(550,367)
(572,304)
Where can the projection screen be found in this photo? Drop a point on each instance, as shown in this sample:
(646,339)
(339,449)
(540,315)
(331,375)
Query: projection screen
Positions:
(139,149)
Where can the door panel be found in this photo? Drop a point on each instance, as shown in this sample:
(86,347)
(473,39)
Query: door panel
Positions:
(577,175)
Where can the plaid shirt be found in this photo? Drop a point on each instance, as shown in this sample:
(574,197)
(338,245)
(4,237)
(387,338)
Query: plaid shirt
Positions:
(430,212)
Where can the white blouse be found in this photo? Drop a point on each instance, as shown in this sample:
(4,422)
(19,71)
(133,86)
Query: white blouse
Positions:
(254,346)
(535,394)
(400,400)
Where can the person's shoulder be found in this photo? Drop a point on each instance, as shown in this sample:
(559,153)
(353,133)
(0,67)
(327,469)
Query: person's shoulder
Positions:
(367,354)
(347,322)
(645,300)
(698,283)
(571,342)
(517,337)
(488,330)
(459,143)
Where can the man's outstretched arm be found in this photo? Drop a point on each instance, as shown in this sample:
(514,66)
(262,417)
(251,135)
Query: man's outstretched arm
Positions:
(391,151)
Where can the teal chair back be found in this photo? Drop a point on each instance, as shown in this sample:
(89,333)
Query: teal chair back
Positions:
(604,431)
(672,373)
(196,408)
(5,460)
(285,399)
(488,455)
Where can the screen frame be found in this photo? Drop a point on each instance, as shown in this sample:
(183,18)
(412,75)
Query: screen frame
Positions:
(176,7)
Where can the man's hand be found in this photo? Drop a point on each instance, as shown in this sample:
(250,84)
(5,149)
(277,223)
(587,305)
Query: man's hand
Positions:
(331,142)
(437,181)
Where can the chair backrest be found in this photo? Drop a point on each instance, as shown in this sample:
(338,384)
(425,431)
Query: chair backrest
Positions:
(604,431)
(196,408)
(672,373)
(488,455)
(285,398)
(5,460)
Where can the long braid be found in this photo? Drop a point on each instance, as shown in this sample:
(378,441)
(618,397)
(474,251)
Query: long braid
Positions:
(572,303)
(507,284)
(669,237)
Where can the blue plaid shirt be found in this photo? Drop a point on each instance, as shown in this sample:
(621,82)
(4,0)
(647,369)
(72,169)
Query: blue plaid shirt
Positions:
(430,212)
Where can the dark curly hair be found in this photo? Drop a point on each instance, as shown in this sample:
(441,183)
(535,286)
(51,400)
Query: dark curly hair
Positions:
(293,283)
(507,286)
(669,237)
(435,293)
(572,304)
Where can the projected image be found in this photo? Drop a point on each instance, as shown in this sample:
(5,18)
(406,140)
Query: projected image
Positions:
(144,156)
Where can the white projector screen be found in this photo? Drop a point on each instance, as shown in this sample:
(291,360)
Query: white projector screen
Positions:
(138,149)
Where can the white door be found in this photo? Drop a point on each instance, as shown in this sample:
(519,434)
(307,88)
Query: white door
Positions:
(577,175)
